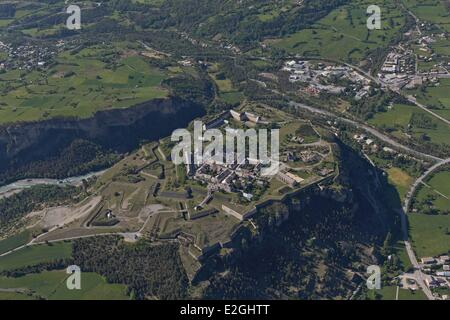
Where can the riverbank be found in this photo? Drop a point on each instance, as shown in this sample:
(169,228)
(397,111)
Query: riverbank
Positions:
(12,188)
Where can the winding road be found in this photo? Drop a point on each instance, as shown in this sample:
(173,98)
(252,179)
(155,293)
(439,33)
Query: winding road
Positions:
(368,129)
(419,276)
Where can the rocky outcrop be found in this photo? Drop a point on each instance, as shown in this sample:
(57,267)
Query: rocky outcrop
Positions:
(116,129)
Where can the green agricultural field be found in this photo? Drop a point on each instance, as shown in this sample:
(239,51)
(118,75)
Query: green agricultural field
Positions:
(79,85)
(435,97)
(434,11)
(343,34)
(36,254)
(438,189)
(390,293)
(399,117)
(429,234)
(15,241)
(15,296)
(401,180)
(399,250)
(227,92)
(440,182)
(404,294)
(52,285)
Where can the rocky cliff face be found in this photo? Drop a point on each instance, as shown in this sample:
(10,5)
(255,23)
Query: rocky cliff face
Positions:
(117,129)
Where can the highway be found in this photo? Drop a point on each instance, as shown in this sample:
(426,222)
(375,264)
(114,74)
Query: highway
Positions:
(368,129)
(419,276)
(382,84)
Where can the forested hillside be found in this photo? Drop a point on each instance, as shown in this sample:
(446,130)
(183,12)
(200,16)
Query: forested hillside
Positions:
(149,270)
(330,237)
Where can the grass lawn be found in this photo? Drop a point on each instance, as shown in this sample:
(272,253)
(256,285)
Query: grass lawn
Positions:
(79,85)
(343,34)
(400,252)
(434,97)
(431,10)
(386,292)
(33,255)
(400,179)
(437,191)
(52,285)
(428,234)
(440,182)
(15,241)
(15,296)
(390,292)
(404,294)
(399,117)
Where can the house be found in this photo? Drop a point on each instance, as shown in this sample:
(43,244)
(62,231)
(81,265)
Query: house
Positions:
(428,260)
(443,274)
(388,150)
(291,63)
(431,282)
(444,259)
(247,196)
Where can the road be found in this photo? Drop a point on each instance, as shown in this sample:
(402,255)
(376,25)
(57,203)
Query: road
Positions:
(419,276)
(440,162)
(420,180)
(368,129)
(399,92)
(424,108)
(383,85)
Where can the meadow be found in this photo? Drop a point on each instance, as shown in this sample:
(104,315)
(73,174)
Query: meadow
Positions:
(433,11)
(438,188)
(401,181)
(78,85)
(52,285)
(36,254)
(437,98)
(343,34)
(389,293)
(226,90)
(429,234)
(15,241)
(399,117)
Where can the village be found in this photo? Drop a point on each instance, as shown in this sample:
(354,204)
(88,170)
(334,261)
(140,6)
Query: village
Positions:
(28,57)
(436,276)
(323,77)
(414,62)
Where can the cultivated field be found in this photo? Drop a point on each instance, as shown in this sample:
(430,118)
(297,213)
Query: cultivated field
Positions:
(400,116)
(79,84)
(429,234)
(343,34)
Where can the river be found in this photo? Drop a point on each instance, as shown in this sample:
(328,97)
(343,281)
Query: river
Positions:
(28,183)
